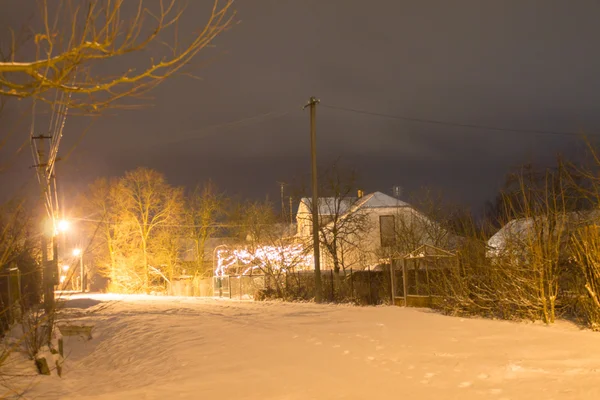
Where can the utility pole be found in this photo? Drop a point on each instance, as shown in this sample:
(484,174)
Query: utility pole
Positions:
(282,184)
(50,267)
(312,104)
(291,212)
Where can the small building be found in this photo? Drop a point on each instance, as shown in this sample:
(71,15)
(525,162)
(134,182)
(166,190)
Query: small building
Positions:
(369,228)
(518,236)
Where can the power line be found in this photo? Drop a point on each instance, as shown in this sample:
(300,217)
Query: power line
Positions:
(216,225)
(454,124)
(244,122)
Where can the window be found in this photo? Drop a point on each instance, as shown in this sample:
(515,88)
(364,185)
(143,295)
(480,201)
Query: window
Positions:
(387,230)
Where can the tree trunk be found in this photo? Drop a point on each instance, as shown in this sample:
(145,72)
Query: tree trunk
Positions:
(146,268)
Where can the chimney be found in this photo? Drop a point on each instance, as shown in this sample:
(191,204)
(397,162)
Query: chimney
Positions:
(360,193)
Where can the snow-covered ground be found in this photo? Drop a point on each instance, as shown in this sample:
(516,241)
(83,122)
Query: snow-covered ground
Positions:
(188,348)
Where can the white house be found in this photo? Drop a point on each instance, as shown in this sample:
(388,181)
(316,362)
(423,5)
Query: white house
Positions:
(385,224)
(518,235)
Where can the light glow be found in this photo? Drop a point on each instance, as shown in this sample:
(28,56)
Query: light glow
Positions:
(63,225)
(65,267)
(62,279)
(76,252)
(277,258)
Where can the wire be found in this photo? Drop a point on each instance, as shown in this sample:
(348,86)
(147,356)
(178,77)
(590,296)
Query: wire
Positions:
(103,221)
(201,132)
(446,123)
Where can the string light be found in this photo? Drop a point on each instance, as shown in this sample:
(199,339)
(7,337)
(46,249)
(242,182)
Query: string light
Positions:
(278,258)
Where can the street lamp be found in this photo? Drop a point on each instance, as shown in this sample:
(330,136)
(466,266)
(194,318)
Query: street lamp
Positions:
(78,253)
(63,225)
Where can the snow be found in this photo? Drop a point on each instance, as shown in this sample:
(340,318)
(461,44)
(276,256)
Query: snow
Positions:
(152,347)
(380,200)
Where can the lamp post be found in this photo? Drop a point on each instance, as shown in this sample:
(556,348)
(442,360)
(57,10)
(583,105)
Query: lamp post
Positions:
(78,253)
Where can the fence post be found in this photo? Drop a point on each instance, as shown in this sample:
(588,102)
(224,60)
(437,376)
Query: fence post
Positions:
(332,287)
(9,308)
(240,287)
(404,282)
(287,286)
(370,291)
(229,284)
(428,281)
(351,285)
(392,291)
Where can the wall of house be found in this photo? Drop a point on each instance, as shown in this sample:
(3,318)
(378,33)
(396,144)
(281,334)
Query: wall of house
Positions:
(303,221)
(364,249)
(368,250)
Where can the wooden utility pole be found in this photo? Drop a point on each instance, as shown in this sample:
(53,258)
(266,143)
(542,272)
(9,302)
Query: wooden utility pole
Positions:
(312,104)
(49,266)
(282,185)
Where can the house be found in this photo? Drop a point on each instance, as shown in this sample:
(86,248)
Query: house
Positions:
(329,207)
(369,228)
(520,234)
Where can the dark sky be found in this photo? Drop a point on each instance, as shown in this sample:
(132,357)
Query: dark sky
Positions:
(520,64)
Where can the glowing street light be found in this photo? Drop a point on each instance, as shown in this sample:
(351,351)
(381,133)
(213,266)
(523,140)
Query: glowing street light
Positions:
(63,225)
(62,279)
(77,252)
(65,268)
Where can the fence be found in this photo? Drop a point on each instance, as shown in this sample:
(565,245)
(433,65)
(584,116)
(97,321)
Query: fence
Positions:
(191,287)
(10,295)
(361,287)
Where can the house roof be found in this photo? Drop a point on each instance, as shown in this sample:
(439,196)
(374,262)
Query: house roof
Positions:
(380,200)
(328,205)
(521,227)
(430,251)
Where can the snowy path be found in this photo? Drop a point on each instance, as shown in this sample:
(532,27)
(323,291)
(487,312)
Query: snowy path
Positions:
(185,348)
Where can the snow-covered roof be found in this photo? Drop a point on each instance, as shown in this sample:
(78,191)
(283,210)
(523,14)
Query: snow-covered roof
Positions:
(522,227)
(380,200)
(327,205)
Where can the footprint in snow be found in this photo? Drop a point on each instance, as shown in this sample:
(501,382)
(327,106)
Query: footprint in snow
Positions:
(465,384)
(483,376)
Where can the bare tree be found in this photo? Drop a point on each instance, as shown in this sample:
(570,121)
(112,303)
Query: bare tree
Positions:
(111,233)
(269,246)
(74,40)
(426,220)
(204,206)
(152,204)
(342,223)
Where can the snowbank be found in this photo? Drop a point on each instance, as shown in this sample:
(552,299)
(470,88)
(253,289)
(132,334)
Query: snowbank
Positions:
(151,347)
